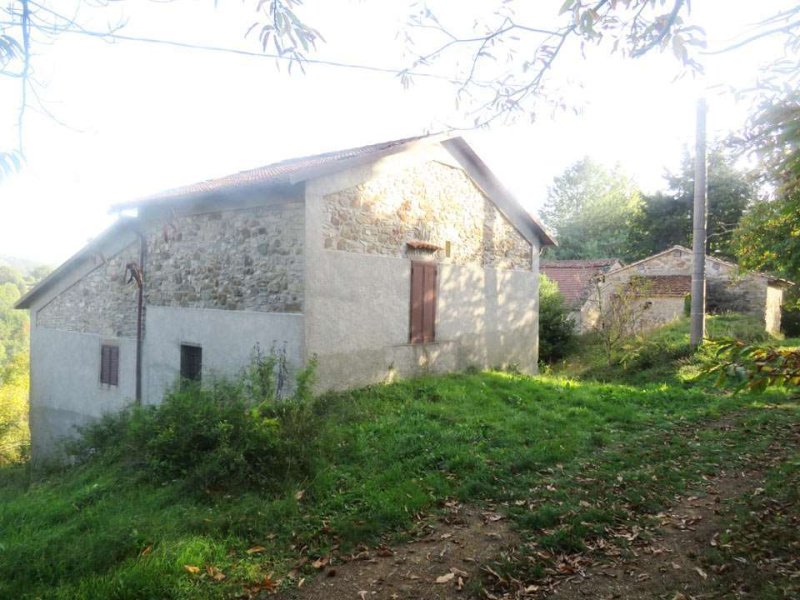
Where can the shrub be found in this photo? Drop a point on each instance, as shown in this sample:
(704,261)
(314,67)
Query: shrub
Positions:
(753,366)
(790,321)
(230,433)
(641,354)
(556,329)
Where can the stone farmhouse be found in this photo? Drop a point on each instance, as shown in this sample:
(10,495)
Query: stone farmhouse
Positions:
(382,261)
(663,282)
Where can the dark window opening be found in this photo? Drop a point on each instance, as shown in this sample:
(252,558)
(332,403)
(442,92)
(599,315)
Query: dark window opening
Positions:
(423,302)
(109,364)
(191,362)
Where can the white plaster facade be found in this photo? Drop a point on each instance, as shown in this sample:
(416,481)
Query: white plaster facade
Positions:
(347,308)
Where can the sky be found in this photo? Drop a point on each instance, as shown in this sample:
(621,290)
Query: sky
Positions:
(128,119)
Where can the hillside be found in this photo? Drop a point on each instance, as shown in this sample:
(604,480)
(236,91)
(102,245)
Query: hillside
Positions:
(576,473)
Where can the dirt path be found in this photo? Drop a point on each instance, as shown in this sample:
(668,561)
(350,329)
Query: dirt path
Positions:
(445,563)
(668,566)
(451,560)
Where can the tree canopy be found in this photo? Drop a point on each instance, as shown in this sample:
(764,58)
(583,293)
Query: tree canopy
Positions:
(666,216)
(592,210)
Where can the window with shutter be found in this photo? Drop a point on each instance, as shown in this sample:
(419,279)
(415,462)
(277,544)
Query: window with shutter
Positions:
(109,364)
(423,302)
(191,362)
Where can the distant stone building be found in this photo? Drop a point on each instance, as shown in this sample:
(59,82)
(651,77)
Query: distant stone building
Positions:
(663,282)
(382,261)
(576,280)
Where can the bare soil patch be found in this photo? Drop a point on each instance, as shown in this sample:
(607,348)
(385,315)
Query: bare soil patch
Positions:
(665,560)
(669,562)
(444,563)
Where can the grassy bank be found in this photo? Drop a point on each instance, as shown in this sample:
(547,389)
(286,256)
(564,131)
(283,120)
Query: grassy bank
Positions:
(568,461)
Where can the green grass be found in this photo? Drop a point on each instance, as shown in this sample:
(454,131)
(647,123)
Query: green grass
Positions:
(661,355)
(566,460)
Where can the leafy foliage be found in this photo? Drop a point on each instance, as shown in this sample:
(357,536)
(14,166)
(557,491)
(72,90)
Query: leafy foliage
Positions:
(592,210)
(14,369)
(230,434)
(666,217)
(14,433)
(755,366)
(768,238)
(556,329)
(773,133)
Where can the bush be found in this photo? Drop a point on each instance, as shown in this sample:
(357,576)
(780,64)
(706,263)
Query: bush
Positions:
(790,321)
(556,329)
(641,354)
(231,433)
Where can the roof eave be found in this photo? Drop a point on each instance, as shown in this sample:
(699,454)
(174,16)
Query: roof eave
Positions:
(27,300)
(491,186)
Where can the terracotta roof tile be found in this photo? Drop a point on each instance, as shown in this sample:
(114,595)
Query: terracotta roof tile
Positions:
(574,277)
(422,245)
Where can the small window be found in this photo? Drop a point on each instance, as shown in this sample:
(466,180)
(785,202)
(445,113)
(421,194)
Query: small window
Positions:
(191,362)
(423,302)
(109,364)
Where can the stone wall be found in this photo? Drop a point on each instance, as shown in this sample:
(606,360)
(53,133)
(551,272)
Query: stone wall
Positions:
(101,302)
(772,314)
(725,289)
(660,310)
(248,259)
(679,262)
(432,202)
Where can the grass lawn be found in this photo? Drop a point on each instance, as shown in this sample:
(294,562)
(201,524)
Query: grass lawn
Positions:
(566,461)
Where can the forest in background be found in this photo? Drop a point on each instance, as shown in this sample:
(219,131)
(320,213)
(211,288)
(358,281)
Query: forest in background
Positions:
(14,360)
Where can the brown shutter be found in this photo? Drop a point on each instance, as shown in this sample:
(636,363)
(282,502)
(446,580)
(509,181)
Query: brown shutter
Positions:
(113,360)
(104,359)
(417,286)
(423,302)
(109,364)
(429,304)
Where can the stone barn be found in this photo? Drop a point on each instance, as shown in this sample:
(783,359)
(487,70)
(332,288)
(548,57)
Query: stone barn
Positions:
(382,261)
(663,282)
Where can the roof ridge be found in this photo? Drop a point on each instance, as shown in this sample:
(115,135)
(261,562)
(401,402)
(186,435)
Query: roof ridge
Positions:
(274,172)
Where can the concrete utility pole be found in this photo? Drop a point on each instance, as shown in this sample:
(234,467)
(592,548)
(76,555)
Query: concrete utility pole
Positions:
(700,216)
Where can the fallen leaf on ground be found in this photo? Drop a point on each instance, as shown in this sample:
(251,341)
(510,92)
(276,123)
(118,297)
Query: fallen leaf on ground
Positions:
(445,578)
(702,573)
(256,549)
(192,569)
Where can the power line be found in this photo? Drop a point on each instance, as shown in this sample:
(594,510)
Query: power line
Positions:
(111,36)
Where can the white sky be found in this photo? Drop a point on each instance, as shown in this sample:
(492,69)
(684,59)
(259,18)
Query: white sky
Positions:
(142,118)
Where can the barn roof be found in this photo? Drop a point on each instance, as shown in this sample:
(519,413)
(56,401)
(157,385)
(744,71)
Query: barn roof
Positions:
(297,170)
